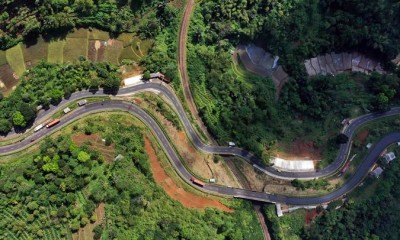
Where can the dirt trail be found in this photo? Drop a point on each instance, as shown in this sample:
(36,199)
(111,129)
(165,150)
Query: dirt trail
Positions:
(187,199)
(182,65)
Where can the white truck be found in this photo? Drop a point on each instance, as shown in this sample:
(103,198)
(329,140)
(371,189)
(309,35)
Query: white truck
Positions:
(67,110)
(38,127)
(231,144)
(82,102)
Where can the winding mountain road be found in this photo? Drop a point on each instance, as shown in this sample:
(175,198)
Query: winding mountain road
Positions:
(111,105)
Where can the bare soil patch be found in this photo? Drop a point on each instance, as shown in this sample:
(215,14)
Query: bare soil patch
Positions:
(92,51)
(300,149)
(7,78)
(87,232)
(310,216)
(101,52)
(131,70)
(187,199)
(362,136)
(96,143)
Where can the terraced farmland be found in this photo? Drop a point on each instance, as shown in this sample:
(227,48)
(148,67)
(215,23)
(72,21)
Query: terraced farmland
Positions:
(94,45)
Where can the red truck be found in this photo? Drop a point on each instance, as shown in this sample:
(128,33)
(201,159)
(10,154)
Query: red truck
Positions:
(52,123)
(346,166)
(198,182)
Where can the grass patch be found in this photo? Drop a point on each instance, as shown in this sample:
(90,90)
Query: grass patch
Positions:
(78,33)
(74,48)
(144,46)
(113,51)
(55,51)
(3,59)
(35,53)
(96,34)
(15,59)
(129,53)
(126,38)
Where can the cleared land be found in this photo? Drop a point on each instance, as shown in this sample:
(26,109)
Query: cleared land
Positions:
(7,80)
(96,143)
(15,59)
(55,53)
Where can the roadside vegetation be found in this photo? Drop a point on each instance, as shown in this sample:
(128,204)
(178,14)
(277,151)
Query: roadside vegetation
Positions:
(289,226)
(55,192)
(47,84)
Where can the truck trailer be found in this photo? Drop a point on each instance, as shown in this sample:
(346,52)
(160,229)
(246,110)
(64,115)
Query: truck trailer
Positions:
(38,127)
(197,182)
(52,123)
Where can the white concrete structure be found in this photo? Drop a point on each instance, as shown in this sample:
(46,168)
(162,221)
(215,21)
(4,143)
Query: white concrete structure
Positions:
(278,210)
(135,80)
(293,165)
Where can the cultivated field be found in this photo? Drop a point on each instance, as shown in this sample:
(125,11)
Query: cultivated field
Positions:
(94,45)
(15,59)
(55,51)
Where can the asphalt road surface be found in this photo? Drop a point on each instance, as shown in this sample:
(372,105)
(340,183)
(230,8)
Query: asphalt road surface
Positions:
(240,193)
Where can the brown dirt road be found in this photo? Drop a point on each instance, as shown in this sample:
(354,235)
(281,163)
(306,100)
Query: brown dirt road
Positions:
(186,88)
(182,65)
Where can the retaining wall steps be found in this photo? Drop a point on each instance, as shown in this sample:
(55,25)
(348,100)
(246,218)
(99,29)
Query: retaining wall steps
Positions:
(333,63)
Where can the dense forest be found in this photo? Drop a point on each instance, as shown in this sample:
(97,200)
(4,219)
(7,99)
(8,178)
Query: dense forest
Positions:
(47,84)
(54,191)
(296,30)
(239,106)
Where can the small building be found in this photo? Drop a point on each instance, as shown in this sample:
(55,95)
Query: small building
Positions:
(82,102)
(160,76)
(67,110)
(369,145)
(212,180)
(388,157)
(377,172)
(156,75)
